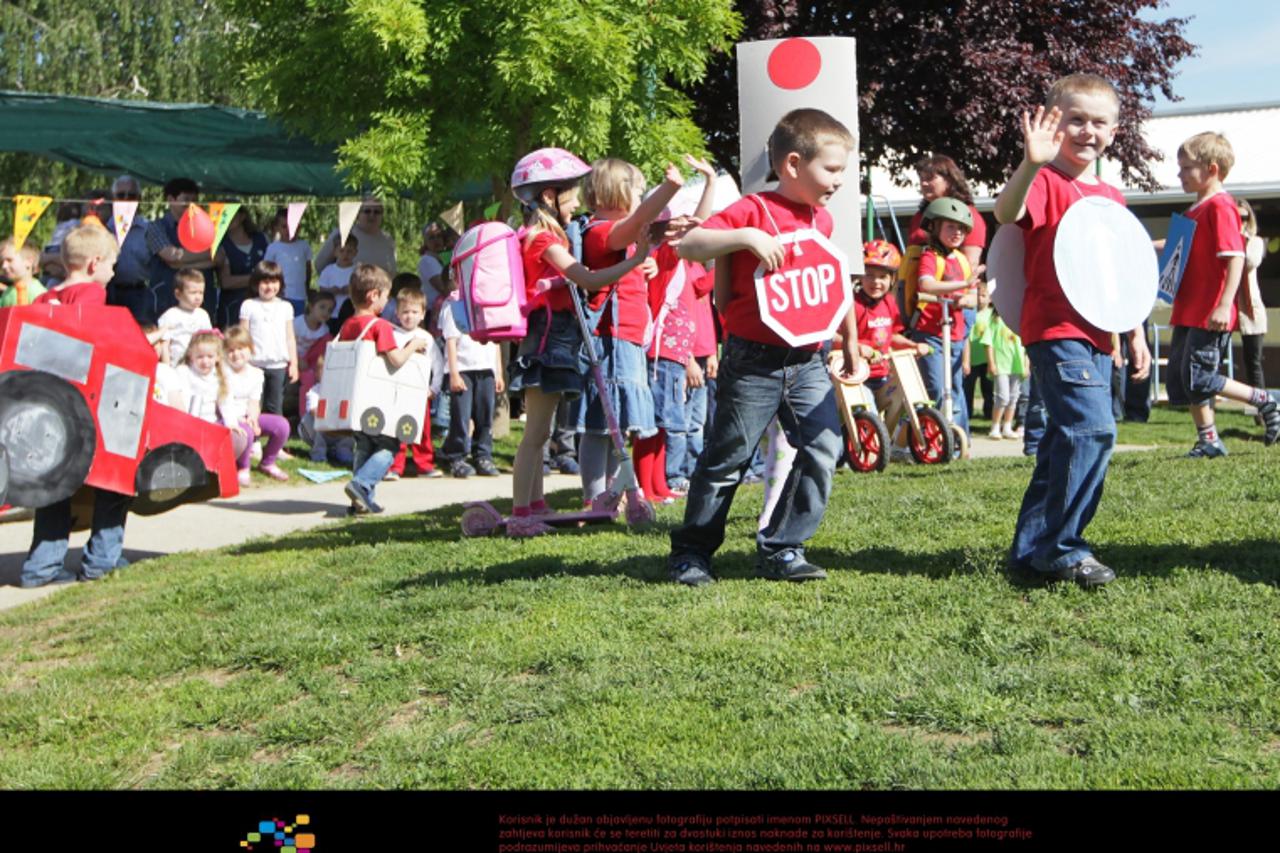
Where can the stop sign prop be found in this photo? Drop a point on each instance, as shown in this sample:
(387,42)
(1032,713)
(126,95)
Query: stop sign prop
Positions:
(806,298)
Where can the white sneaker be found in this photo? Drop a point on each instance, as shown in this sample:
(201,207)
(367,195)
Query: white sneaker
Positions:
(1010,432)
(995,434)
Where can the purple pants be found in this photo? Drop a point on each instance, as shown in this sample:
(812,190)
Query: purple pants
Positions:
(274,428)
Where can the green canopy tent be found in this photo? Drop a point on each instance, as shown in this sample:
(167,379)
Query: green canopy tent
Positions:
(221,148)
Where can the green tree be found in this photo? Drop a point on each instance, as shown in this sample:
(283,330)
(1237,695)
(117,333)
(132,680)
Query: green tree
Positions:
(158,50)
(425,95)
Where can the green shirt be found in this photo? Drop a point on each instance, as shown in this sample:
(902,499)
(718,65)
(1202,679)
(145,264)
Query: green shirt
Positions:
(9,298)
(978,351)
(1011,358)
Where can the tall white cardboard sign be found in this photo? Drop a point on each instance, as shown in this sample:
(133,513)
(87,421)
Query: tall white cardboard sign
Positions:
(775,77)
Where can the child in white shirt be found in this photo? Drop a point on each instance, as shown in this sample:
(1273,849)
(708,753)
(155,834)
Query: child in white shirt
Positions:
(475,380)
(336,277)
(187,317)
(242,408)
(269,321)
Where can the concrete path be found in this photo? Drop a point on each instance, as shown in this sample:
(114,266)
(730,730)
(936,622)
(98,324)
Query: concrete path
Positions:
(276,510)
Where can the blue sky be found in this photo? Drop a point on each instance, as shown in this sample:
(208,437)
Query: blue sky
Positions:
(1239,57)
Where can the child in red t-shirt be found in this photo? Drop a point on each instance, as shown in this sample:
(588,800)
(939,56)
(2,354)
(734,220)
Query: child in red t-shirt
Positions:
(880,326)
(548,362)
(370,290)
(1204,310)
(761,377)
(614,192)
(1070,357)
(89,256)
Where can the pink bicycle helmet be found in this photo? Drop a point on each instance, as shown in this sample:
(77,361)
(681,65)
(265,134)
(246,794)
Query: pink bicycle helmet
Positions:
(546,167)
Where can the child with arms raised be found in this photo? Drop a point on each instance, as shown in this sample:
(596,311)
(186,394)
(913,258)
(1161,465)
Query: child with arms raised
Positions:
(1070,357)
(761,377)
(548,364)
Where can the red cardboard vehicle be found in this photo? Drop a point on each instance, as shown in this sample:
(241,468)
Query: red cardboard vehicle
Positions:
(76,410)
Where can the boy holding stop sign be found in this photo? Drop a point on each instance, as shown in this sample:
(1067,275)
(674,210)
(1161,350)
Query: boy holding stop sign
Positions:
(761,375)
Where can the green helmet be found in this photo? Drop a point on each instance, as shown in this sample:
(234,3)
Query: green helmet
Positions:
(949,208)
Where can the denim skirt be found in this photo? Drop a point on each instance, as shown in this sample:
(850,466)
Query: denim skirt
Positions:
(550,357)
(622,364)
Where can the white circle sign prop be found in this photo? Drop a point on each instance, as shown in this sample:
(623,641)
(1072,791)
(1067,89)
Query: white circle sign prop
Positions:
(1106,264)
(1006,270)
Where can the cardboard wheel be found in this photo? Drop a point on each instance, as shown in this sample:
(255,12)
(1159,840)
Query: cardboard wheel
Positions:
(406,428)
(4,475)
(372,421)
(167,477)
(48,435)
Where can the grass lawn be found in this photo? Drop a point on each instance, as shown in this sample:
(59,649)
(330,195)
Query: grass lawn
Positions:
(389,653)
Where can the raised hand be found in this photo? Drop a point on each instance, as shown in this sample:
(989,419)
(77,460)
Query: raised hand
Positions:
(673,176)
(1041,138)
(701,166)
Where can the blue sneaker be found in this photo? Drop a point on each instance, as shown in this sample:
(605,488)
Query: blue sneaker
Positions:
(1270,414)
(1207,449)
(362,496)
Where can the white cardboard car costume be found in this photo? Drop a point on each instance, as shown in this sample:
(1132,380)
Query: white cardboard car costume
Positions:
(359,391)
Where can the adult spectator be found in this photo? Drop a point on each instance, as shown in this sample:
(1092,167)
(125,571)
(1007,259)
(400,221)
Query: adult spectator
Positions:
(167,254)
(130,287)
(240,252)
(376,246)
(430,266)
(1253,314)
(940,177)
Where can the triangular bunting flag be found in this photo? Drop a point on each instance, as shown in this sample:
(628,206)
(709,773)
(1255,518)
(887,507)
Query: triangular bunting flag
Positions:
(453,218)
(293,215)
(491,212)
(27,209)
(347,211)
(221,213)
(122,213)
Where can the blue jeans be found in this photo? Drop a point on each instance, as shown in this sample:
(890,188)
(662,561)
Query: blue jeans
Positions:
(374,455)
(758,382)
(697,419)
(1033,421)
(670,387)
(1074,380)
(931,372)
(53,528)
(472,405)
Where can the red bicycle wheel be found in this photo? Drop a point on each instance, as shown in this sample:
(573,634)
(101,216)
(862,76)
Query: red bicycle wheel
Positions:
(873,436)
(934,445)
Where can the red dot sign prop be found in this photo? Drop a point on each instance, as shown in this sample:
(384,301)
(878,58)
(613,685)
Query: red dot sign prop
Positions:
(806,298)
(775,77)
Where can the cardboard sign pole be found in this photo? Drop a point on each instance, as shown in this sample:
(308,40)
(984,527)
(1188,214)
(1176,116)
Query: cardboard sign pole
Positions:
(775,77)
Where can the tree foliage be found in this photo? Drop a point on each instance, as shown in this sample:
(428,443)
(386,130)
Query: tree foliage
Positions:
(952,76)
(428,94)
(159,50)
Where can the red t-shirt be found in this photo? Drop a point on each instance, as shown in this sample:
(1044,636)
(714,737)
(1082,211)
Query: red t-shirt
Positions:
(1046,313)
(631,308)
(917,236)
(1217,238)
(930,322)
(742,315)
(383,337)
(87,293)
(674,340)
(878,321)
(704,332)
(536,268)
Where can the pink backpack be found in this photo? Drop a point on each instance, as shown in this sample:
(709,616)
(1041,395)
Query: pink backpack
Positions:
(489,269)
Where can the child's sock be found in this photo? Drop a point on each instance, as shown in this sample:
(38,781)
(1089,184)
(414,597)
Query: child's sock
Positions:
(643,457)
(538,507)
(1208,433)
(1258,397)
(522,511)
(660,486)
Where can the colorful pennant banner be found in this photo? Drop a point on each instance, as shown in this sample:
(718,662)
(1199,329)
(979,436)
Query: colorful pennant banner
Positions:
(27,209)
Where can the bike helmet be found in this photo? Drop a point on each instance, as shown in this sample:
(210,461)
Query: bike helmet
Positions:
(881,253)
(546,167)
(949,208)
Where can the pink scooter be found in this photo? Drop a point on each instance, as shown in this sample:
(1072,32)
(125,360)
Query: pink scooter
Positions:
(479,518)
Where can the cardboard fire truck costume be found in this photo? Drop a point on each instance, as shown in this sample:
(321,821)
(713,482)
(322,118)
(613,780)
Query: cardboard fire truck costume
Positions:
(360,392)
(77,409)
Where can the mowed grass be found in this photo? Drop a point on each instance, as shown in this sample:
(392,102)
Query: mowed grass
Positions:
(390,653)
